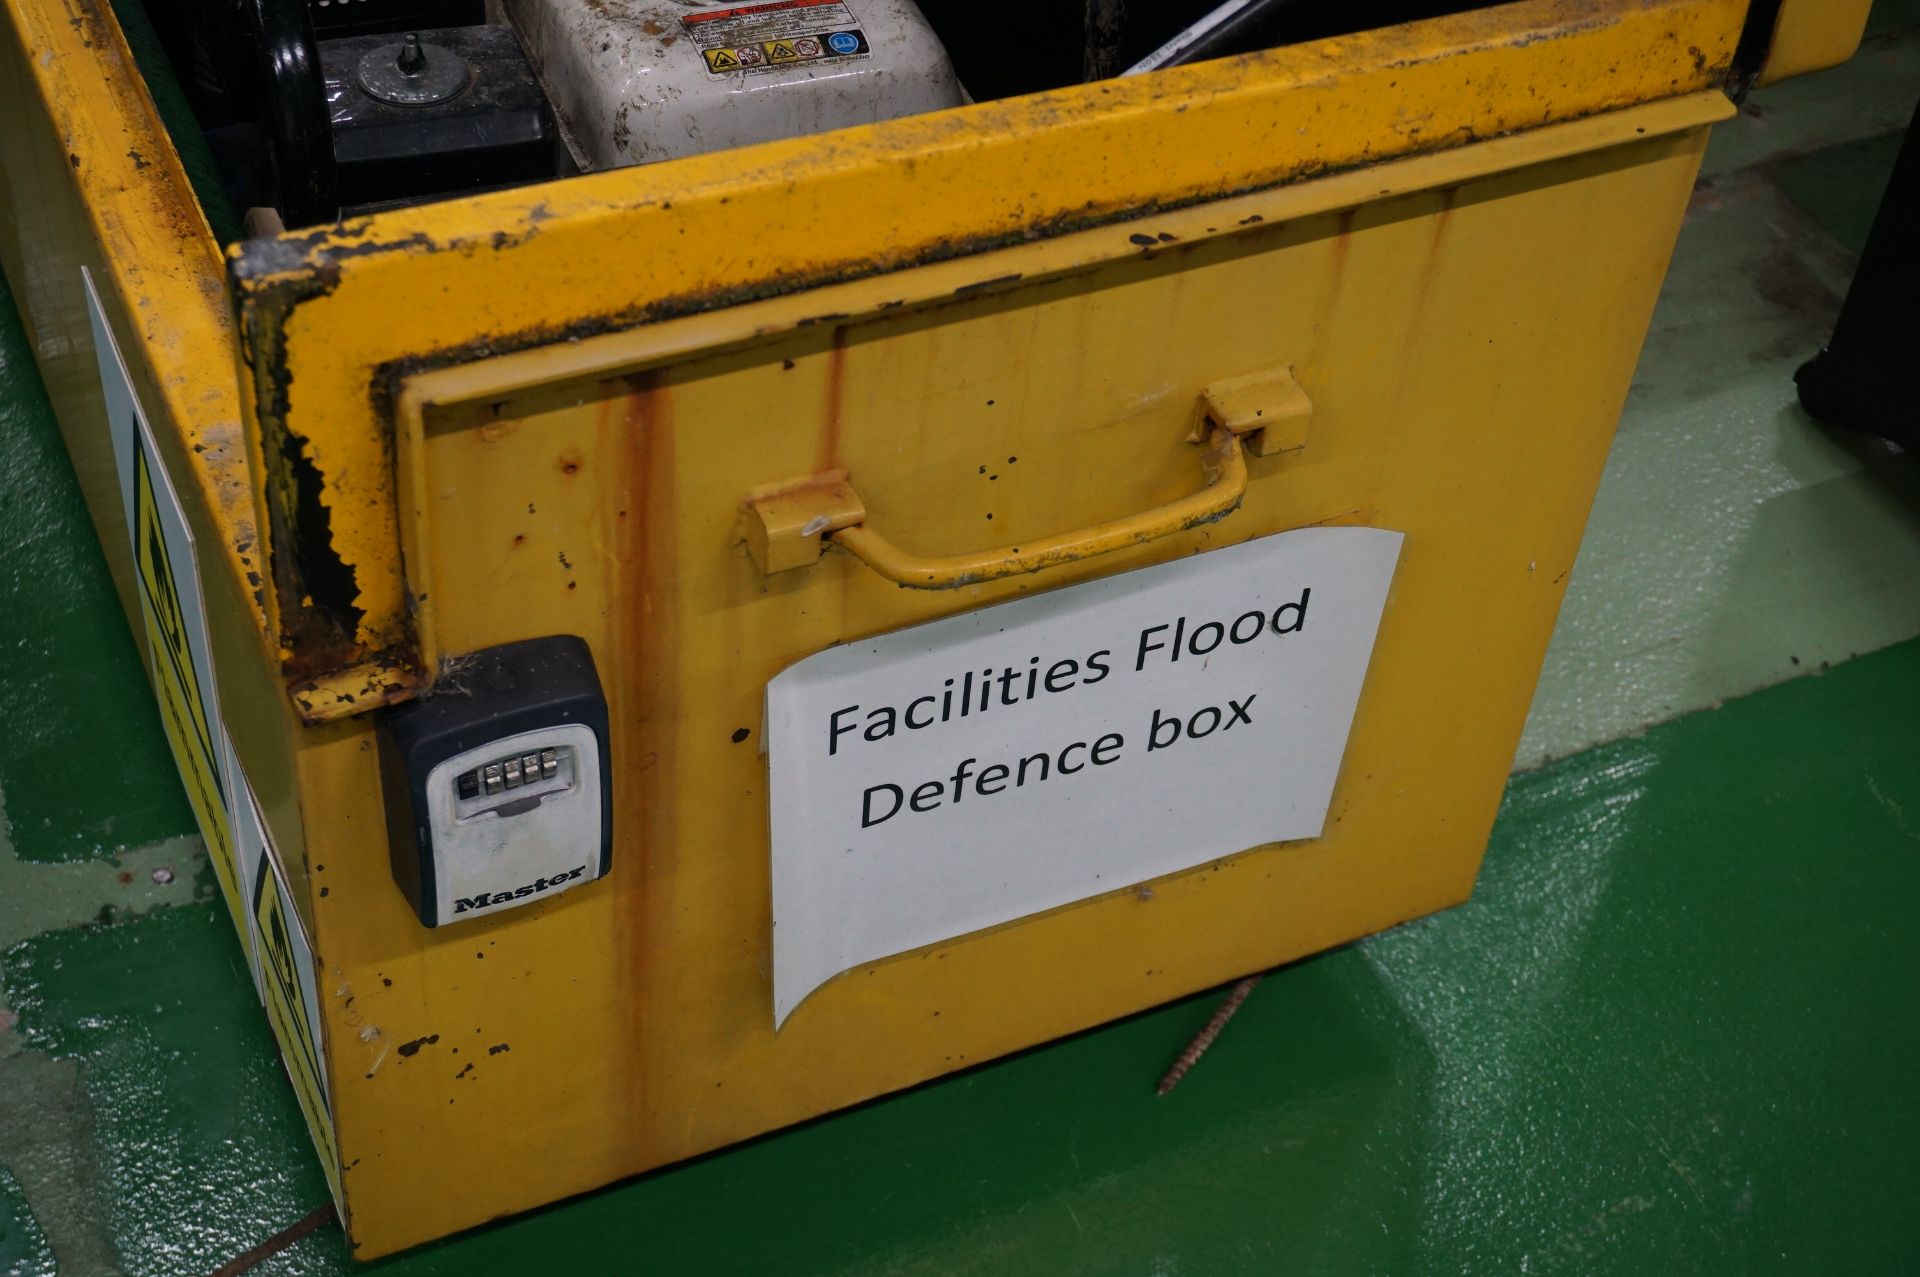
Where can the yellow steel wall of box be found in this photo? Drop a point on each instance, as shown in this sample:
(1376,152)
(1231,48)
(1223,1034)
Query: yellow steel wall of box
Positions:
(1461,396)
(1811,34)
(549,411)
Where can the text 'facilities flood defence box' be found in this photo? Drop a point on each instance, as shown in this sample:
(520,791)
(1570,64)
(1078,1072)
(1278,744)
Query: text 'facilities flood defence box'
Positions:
(809,551)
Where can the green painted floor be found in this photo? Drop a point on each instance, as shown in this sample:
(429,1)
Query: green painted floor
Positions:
(1673,1031)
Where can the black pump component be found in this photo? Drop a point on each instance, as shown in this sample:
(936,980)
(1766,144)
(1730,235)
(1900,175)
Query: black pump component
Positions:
(271,93)
(301,122)
(1859,381)
(334,18)
(468,116)
(294,111)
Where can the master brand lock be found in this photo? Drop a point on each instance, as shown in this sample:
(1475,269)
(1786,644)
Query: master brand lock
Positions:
(497,783)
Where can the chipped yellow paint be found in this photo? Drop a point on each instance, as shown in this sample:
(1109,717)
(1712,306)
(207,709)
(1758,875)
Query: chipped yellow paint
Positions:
(484,381)
(340,313)
(356,688)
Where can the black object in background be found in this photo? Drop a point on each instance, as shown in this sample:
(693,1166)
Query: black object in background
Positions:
(1001,48)
(497,131)
(1859,380)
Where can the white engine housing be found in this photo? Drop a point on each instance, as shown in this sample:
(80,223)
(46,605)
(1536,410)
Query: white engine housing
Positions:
(635,81)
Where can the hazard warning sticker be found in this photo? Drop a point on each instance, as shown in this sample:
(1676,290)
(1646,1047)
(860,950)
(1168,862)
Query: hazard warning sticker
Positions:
(768,37)
(290,983)
(173,617)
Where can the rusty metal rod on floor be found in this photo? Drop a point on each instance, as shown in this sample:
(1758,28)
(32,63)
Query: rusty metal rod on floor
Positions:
(1204,1039)
(278,1242)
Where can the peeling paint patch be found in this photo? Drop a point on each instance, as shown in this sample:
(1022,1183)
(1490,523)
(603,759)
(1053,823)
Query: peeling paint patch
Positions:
(410,1049)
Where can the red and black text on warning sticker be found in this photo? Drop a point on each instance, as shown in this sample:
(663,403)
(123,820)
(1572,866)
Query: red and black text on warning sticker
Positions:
(767,37)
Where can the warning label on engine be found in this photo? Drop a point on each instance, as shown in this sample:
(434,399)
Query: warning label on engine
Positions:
(767,37)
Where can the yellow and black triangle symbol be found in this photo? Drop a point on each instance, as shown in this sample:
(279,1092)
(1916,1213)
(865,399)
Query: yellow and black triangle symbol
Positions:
(782,51)
(721,60)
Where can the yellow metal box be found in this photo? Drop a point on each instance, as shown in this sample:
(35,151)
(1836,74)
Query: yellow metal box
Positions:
(692,412)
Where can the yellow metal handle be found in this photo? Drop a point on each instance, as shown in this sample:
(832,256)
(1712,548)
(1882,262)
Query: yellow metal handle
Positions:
(1219,498)
(786,529)
(1266,413)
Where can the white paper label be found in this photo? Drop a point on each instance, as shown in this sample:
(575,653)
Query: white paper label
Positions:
(961,774)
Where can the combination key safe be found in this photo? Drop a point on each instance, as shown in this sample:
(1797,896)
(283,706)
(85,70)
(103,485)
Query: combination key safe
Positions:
(497,782)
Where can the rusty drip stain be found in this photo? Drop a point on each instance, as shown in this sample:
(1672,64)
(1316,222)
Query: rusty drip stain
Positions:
(829,452)
(1341,250)
(1429,272)
(1342,247)
(645,707)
